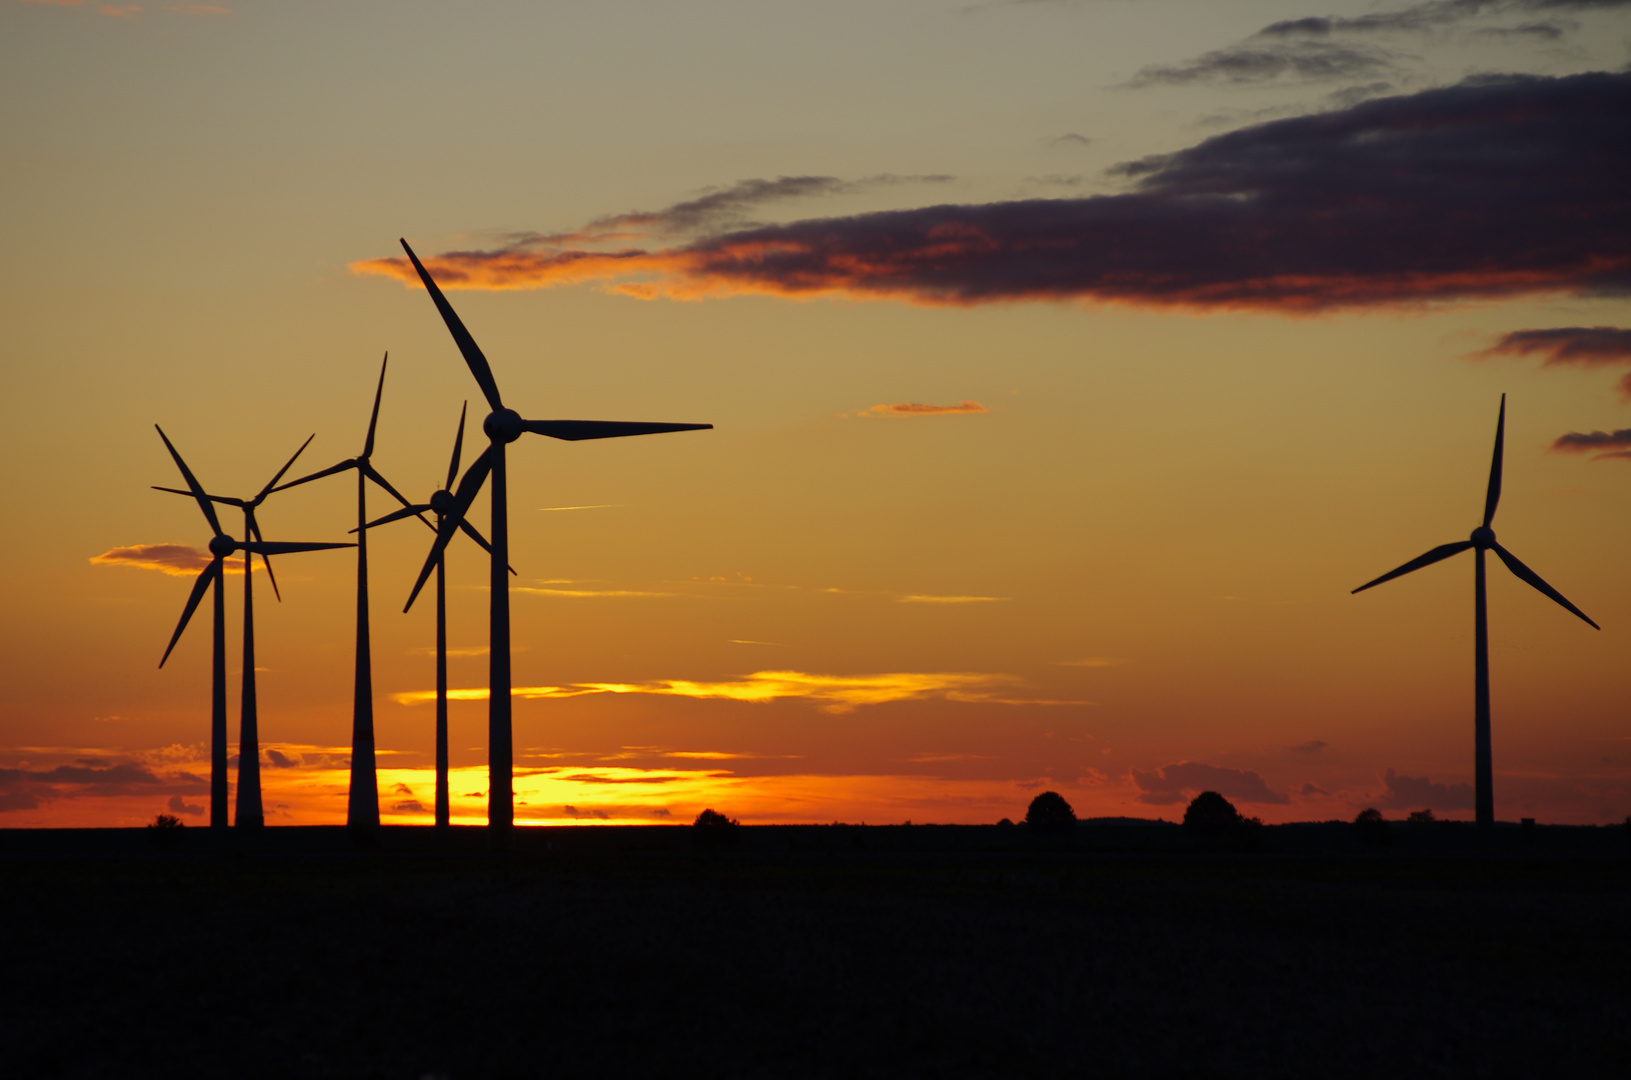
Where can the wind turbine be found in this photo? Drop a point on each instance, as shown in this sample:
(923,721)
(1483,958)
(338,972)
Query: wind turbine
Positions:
(1482,540)
(441,504)
(502,426)
(221,545)
(362,805)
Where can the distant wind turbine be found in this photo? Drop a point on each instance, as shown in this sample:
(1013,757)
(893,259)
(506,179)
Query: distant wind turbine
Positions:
(362,805)
(221,545)
(441,503)
(502,426)
(1483,539)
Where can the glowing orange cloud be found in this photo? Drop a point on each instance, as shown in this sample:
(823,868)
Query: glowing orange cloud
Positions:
(912,408)
(836,693)
(177,560)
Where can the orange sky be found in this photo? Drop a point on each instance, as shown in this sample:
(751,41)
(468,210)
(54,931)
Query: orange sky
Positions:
(1030,503)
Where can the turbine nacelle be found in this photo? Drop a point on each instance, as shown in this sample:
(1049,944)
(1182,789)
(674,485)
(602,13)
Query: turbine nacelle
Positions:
(442,502)
(1483,538)
(503,425)
(222,546)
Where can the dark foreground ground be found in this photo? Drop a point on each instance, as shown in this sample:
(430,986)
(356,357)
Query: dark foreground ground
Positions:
(895,951)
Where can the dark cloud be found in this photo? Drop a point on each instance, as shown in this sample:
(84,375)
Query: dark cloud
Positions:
(27,789)
(1604,444)
(1417,792)
(574,812)
(402,789)
(1497,187)
(1179,782)
(281,761)
(1070,138)
(179,805)
(1312,746)
(1585,346)
(409,806)
(1309,790)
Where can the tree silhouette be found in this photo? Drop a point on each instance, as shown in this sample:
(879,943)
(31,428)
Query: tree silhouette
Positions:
(165,831)
(713,830)
(1372,828)
(1422,817)
(1213,822)
(1050,815)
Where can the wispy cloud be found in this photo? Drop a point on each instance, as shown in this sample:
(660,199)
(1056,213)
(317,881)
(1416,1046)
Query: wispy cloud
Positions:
(120,11)
(1312,746)
(917,598)
(833,693)
(1505,186)
(584,593)
(177,560)
(913,408)
(1328,48)
(199,9)
(1096,661)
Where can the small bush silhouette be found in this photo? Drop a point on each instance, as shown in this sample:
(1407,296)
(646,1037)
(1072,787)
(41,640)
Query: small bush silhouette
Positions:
(1050,815)
(1213,822)
(165,831)
(1372,828)
(713,830)
(1422,817)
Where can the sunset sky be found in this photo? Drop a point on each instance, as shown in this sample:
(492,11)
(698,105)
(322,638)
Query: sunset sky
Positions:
(1069,363)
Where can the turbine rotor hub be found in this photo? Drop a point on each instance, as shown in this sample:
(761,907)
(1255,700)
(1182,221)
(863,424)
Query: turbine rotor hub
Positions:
(1483,537)
(503,425)
(442,502)
(222,546)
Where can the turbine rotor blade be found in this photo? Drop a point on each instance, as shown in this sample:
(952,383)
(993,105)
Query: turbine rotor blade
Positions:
(272,483)
(458,445)
(474,477)
(578,430)
(193,486)
(286,547)
(369,471)
(200,587)
(461,337)
(398,515)
(444,533)
(1493,498)
(1525,574)
(373,420)
(475,534)
(222,499)
(348,463)
(254,531)
(1443,551)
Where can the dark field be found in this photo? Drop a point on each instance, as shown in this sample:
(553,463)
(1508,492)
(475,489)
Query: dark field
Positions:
(816,951)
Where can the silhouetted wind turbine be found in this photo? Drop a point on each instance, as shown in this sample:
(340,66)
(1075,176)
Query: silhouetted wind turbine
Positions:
(1483,539)
(221,545)
(441,503)
(362,805)
(502,426)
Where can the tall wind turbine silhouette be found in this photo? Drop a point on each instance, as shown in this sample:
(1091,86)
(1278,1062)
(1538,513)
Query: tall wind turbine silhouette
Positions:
(441,503)
(1482,540)
(502,427)
(221,545)
(362,804)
